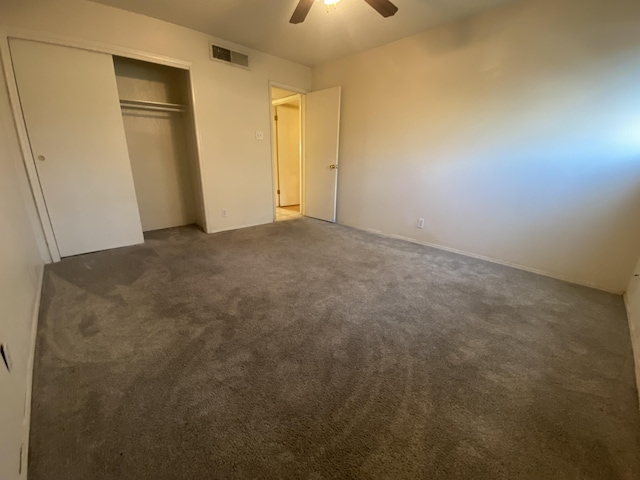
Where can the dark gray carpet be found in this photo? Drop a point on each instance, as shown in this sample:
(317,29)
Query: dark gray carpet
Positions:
(308,350)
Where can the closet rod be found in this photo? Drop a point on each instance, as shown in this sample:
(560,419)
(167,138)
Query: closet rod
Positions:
(159,106)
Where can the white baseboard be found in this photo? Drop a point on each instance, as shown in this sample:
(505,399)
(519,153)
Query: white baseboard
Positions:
(26,422)
(239,227)
(490,259)
(635,341)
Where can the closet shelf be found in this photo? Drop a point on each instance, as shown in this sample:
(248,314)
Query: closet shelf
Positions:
(156,106)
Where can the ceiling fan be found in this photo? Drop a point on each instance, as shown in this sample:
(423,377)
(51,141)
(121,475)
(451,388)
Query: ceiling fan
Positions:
(383,7)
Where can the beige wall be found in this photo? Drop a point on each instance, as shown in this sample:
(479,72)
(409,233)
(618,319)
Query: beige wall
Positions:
(20,276)
(514,134)
(231,103)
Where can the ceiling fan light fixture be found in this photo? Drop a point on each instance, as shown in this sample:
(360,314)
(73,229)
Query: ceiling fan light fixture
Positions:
(383,7)
(330,3)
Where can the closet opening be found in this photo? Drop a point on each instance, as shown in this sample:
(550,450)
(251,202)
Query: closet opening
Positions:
(155,101)
(287,145)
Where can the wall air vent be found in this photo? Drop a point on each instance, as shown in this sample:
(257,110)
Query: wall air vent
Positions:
(225,55)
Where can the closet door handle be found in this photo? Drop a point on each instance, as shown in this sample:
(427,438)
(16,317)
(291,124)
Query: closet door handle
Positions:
(41,158)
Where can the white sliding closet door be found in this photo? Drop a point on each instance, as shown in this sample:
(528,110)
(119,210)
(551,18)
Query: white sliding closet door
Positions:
(71,108)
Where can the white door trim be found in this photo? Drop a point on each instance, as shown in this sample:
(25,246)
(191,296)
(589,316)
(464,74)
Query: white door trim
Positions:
(286,100)
(284,86)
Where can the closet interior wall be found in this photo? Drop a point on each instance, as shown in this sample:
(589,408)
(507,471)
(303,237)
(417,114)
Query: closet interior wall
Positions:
(155,101)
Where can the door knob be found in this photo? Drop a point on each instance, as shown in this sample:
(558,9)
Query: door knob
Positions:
(333,167)
(41,158)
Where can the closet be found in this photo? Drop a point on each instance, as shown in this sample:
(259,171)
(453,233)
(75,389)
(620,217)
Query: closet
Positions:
(154,100)
(112,145)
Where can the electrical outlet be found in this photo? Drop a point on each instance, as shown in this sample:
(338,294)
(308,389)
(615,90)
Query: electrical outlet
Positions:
(6,357)
(224,212)
(259,135)
(421,223)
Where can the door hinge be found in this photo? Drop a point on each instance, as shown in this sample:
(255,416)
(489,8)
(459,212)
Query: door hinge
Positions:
(275,118)
(278,192)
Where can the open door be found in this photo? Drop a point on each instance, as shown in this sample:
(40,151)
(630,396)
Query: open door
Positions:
(322,125)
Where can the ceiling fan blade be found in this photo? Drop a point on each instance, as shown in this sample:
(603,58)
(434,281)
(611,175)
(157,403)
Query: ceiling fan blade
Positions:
(301,11)
(383,7)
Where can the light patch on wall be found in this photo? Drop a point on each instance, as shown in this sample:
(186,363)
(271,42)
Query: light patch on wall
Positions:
(510,144)
(628,136)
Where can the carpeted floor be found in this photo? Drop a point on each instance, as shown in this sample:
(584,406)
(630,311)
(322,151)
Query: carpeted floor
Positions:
(306,350)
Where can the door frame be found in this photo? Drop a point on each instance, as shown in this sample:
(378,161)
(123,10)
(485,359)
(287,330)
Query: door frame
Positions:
(27,155)
(299,94)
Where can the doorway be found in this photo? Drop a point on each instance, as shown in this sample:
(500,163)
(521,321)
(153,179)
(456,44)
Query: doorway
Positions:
(287,132)
(305,145)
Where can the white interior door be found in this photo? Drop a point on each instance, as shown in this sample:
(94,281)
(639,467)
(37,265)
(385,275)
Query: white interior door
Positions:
(288,144)
(322,125)
(70,104)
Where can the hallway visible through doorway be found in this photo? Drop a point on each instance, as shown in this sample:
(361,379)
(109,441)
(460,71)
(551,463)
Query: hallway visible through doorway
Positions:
(305,144)
(287,213)
(287,152)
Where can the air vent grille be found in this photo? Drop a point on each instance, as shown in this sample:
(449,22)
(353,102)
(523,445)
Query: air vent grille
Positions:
(229,56)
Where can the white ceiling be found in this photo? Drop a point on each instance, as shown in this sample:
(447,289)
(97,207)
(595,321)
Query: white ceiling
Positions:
(264,24)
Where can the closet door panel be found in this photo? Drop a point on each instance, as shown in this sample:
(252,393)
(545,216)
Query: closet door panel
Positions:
(71,108)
